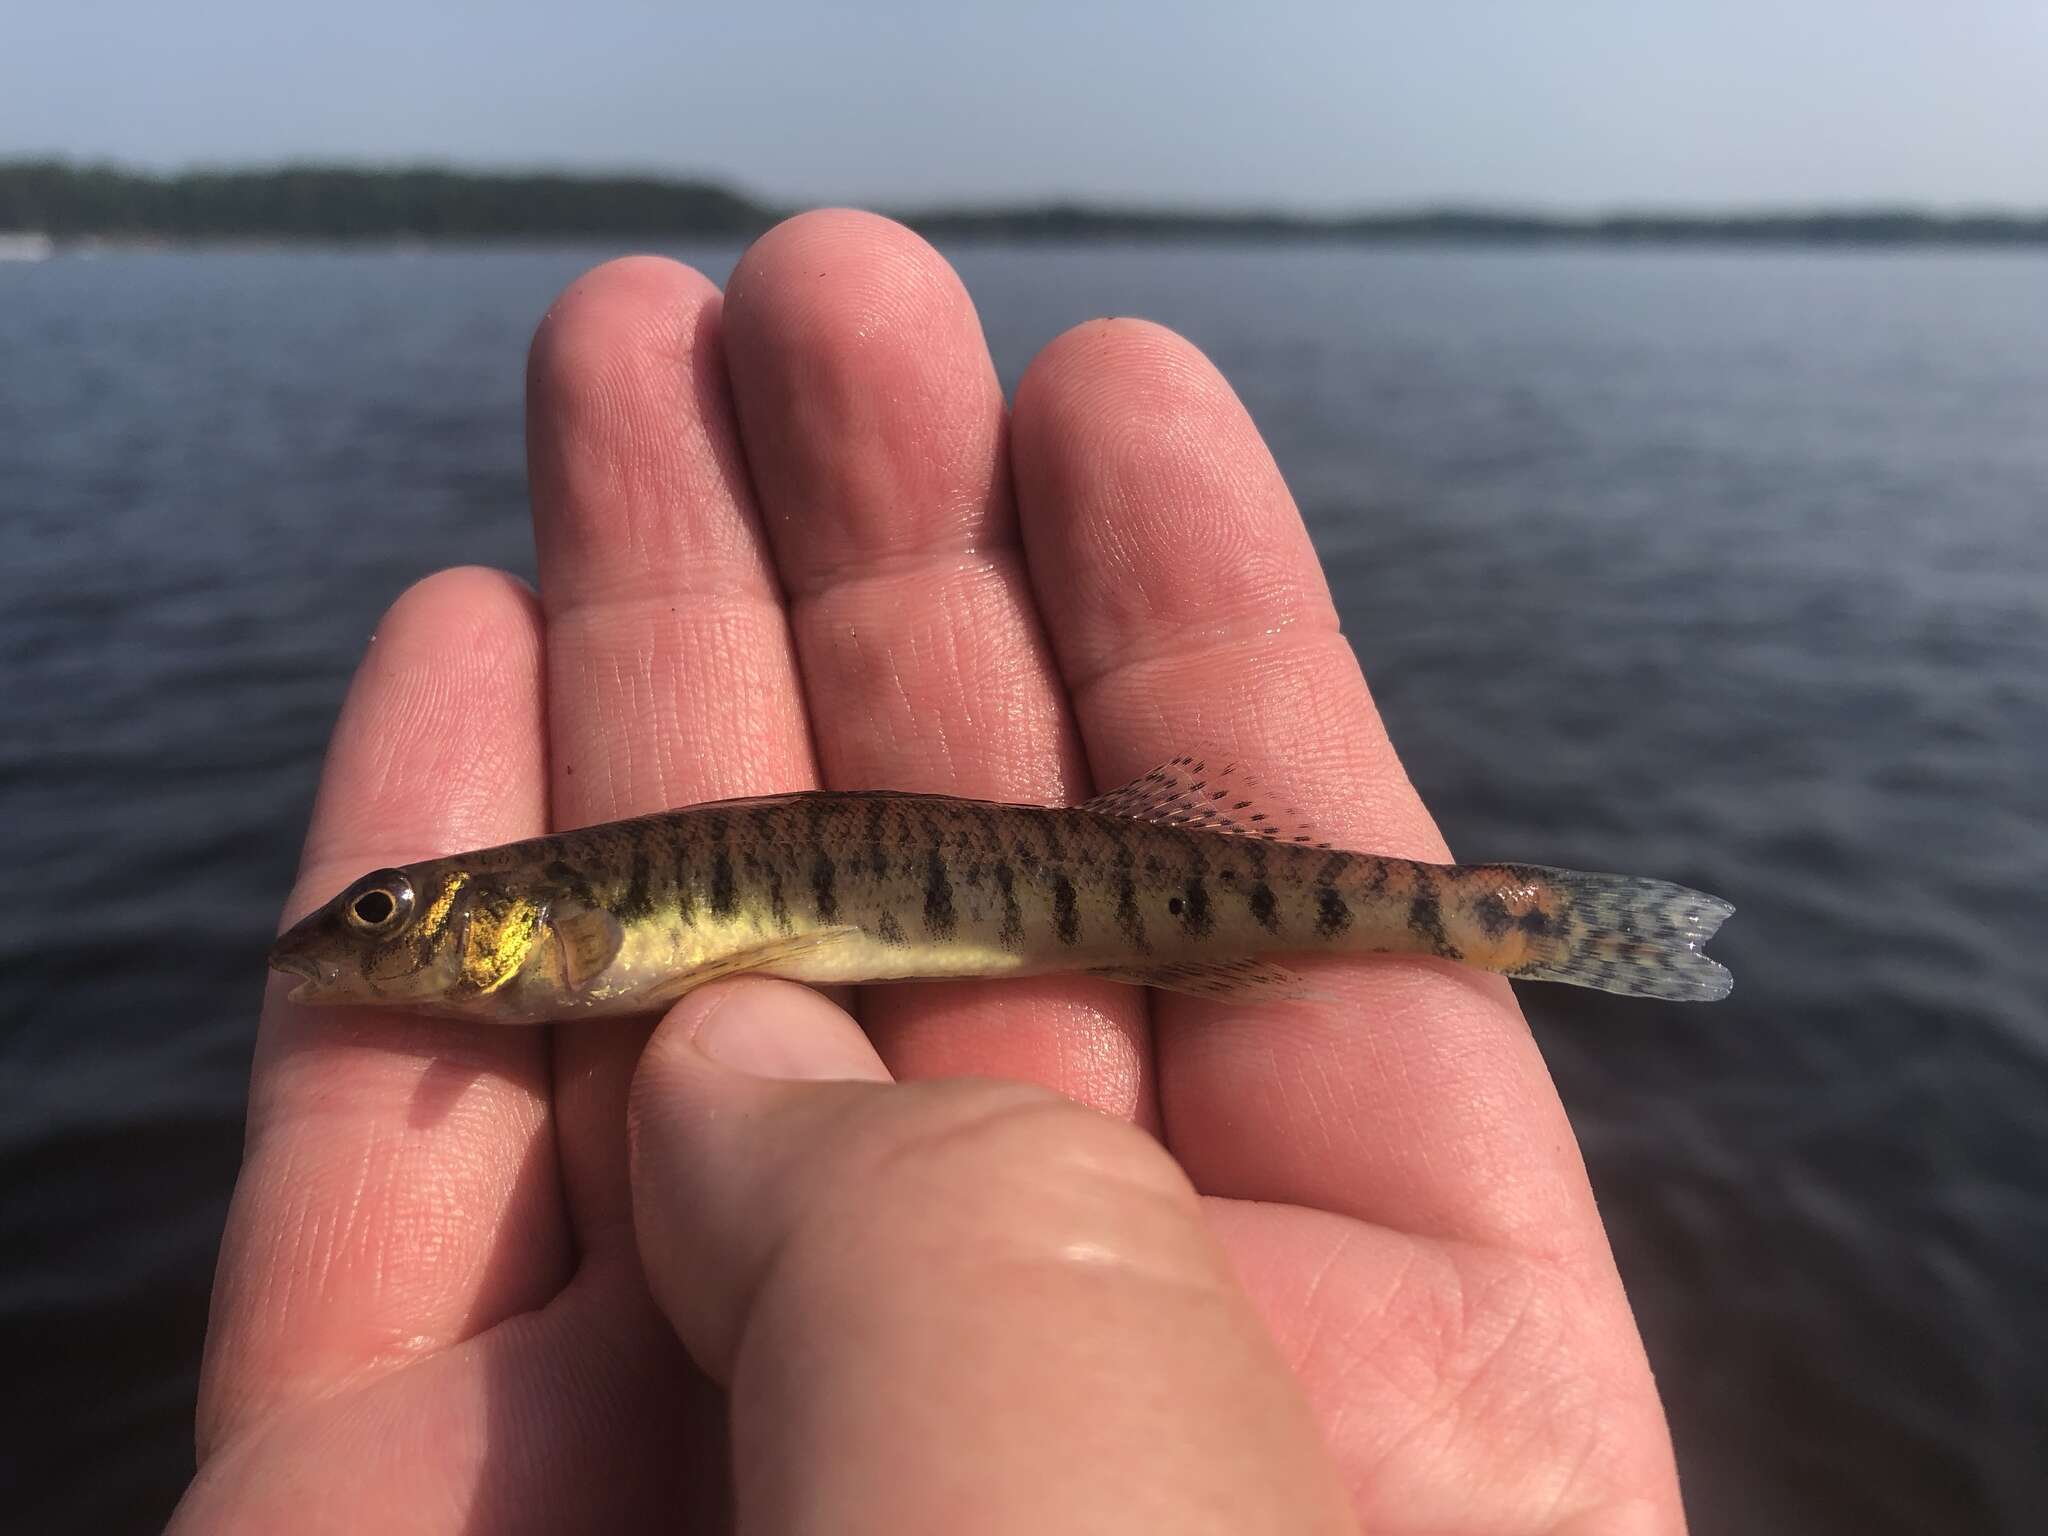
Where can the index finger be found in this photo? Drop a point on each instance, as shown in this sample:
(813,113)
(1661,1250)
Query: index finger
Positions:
(1190,614)
(392,1160)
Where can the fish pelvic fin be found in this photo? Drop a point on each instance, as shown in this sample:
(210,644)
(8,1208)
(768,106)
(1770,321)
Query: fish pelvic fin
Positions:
(1628,935)
(1255,981)
(588,939)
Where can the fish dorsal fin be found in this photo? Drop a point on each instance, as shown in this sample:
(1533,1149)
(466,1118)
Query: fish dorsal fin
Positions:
(1241,981)
(1188,793)
(589,939)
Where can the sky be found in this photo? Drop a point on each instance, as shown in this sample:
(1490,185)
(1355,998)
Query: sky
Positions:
(1317,105)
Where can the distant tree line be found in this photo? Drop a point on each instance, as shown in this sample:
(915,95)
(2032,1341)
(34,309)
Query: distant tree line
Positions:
(321,202)
(314,202)
(1876,226)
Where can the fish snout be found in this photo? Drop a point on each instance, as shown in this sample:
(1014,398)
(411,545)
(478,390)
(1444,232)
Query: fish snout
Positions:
(296,952)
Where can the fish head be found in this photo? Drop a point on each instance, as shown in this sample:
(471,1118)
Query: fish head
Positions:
(395,936)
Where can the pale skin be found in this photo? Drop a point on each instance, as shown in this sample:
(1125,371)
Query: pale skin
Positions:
(1326,1266)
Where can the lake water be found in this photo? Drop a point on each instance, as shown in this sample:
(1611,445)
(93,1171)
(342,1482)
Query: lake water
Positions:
(1729,567)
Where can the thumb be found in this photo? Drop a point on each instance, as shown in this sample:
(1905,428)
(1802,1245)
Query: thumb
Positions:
(723,1067)
(947,1306)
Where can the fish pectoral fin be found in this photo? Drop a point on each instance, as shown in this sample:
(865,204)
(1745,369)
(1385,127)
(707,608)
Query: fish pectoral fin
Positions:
(1187,792)
(762,957)
(1258,981)
(588,940)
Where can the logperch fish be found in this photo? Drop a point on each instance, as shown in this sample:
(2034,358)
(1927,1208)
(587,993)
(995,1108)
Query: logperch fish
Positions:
(1182,880)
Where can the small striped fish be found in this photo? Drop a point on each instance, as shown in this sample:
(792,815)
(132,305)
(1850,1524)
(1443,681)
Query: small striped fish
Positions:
(1180,880)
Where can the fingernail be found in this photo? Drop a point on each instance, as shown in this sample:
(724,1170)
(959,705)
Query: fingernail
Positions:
(782,1030)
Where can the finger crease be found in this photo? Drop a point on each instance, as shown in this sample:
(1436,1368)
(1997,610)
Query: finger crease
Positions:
(1197,641)
(999,551)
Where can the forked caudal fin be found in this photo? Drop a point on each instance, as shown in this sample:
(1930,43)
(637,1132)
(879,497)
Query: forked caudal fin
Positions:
(1637,937)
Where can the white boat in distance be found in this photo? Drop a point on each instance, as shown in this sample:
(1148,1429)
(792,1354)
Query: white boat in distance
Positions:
(25,245)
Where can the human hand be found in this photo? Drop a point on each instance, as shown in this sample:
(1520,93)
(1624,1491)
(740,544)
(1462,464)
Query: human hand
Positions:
(790,539)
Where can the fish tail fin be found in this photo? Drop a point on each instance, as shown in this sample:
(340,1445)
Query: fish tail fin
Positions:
(1625,934)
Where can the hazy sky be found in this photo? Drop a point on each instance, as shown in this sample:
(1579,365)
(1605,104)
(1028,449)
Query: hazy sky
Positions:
(1315,104)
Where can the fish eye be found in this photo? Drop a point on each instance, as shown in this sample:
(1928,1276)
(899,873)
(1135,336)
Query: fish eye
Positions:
(380,903)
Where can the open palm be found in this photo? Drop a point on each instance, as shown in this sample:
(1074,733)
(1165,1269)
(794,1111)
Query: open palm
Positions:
(792,538)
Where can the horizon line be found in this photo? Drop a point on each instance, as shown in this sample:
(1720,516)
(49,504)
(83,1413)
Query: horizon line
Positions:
(1436,205)
(429,199)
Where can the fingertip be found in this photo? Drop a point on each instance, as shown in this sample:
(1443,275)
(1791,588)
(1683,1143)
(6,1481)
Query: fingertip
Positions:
(615,309)
(762,1028)
(452,610)
(821,244)
(1153,514)
(1143,406)
(438,744)
(610,337)
(628,416)
(1143,369)
(866,395)
(1124,420)
(823,300)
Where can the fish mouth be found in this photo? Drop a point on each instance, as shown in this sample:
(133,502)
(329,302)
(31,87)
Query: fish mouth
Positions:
(315,980)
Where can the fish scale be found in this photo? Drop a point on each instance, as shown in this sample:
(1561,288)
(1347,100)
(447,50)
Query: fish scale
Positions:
(1180,880)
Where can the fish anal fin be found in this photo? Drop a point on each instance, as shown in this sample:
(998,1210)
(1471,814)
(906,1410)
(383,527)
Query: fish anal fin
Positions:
(762,957)
(588,940)
(1233,980)
(1189,792)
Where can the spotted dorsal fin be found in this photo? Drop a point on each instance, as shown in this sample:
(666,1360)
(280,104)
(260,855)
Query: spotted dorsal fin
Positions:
(1188,793)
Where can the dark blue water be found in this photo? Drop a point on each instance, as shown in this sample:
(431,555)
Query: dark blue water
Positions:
(1728,567)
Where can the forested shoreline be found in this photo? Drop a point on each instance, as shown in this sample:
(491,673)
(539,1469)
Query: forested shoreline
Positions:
(67,201)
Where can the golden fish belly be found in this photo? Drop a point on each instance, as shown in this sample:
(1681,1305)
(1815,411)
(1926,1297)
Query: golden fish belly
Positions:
(656,954)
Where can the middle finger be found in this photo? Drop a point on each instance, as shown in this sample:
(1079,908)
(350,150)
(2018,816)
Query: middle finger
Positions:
(875,428)
(670,677)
